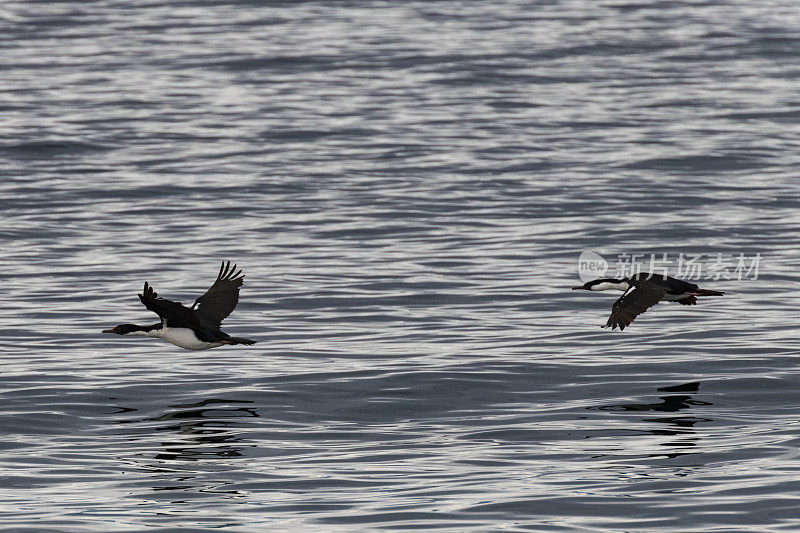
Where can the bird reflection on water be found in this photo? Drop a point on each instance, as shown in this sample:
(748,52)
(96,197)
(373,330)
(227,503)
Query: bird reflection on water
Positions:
(680,426)
(201,438)
(206,429)
(209,427)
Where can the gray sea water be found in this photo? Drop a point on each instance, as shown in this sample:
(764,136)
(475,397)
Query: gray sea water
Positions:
(407,186)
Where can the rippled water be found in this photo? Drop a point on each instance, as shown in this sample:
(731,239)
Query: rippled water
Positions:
(408,186)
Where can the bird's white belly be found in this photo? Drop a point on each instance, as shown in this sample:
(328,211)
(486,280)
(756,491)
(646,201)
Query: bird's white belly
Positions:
(185,338)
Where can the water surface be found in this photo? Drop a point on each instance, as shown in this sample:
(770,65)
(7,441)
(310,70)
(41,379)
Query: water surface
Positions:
(408,186)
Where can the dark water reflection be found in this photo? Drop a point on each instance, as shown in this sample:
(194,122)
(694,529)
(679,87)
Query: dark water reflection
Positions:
(679,426)
(210,431)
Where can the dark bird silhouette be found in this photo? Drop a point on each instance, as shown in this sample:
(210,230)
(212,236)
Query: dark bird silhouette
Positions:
(641,292)
(197,328)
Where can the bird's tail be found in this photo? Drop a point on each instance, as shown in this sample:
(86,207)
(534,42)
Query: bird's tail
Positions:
(238,340)
(706,292)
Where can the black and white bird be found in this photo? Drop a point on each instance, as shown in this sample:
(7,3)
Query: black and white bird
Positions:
(197,328)
(641,292)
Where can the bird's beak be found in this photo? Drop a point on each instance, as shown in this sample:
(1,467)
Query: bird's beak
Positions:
(578,288)
(107,331)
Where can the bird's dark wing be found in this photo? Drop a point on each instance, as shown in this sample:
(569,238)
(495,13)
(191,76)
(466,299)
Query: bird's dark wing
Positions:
(635,301)
(220,300)
(175,314)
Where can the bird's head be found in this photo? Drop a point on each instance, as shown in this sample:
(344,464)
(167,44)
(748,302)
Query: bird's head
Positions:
(603,284)
(123,329)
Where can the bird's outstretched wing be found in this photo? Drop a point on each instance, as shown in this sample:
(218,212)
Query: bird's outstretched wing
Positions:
(220,300)
(175,314)
(634,302)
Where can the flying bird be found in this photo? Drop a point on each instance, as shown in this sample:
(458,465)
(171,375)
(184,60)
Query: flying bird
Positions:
(641,292)
(197,328)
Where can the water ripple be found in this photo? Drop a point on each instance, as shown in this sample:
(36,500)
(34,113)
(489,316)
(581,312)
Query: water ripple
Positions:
(407,186)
